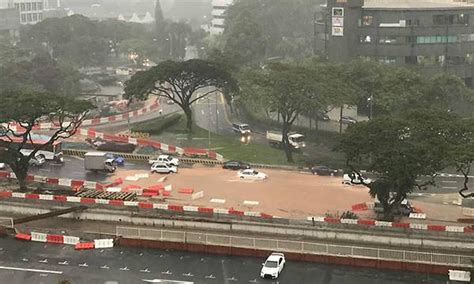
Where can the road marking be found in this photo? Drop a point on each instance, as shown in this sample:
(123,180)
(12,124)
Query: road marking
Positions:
(31,270)
(189,274)
(44,170)
(83,265)
(210,277)
(449,187)
(43,261)
(25,260)
(104,267)
(449,181)
(254,281)
(64,263)
(232,279)
(146,270)
(124,268)
(166,281)
(167,272)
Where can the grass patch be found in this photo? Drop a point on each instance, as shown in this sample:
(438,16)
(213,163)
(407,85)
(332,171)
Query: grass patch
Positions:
(229,146)
(158,125)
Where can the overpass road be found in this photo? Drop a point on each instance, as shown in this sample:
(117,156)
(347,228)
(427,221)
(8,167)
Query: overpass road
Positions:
(23,263)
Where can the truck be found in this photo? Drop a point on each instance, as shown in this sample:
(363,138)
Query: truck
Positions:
(275,138)
(99,161)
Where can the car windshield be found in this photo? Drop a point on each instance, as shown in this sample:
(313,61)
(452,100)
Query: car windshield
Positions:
(298,139)
(271,264)
(244,127)
(255,172)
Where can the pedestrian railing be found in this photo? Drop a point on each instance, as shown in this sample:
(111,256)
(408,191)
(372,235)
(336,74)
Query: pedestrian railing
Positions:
(303,247)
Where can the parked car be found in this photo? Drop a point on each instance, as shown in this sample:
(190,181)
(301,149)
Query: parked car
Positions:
(323,171)
(37,161)
(235,165)
(347,120)
(322,116)
(346,179)
(118,160)
(273,266)
(2,166)
(163,168)
(251,174)
(170,160)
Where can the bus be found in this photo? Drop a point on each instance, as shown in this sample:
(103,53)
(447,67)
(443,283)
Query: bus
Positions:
(52,152)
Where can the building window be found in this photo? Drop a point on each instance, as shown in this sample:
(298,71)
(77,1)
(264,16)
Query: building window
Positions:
(33,6)
(367,21)
(35,17)
(388,59)
(40,17)
(23,18)
(28,6)
(436,39)
(413,22)
(29,18)
(460,19)
(40,6)
(22,7)
(411,60)
(388,40)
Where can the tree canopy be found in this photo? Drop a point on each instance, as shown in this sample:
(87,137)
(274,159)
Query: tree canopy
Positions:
(259,29)
(182,82)
(401,149)
(25,109)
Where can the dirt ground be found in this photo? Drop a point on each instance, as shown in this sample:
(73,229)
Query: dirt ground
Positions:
(283,194)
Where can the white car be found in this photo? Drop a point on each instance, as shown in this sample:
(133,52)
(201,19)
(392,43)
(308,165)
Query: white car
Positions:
(273,266)
(166,159)
(163,168)
(2,166)
(37,161)
(346,179)
(251,174)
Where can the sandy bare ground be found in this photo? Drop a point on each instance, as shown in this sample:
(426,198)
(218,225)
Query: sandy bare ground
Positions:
(284,194)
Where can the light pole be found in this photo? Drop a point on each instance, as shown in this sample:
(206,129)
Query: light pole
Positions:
(370,101)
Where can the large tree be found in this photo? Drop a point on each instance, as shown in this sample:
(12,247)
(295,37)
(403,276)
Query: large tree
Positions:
(182,82)
(287,89)
(42,74)
(259,29)
(25,109)
(399,150)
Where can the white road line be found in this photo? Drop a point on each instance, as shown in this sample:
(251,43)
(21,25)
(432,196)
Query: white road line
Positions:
(449,181)
(166,281)
(448,187)
(31,270)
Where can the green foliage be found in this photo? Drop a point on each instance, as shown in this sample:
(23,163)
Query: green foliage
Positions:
(260,29)
(159,125)
(42,74)
(80,41)
(399,150)
(25,108)
(182,82)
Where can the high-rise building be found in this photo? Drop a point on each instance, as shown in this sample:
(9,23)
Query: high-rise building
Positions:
(431,35)
(33,11)
(219,9)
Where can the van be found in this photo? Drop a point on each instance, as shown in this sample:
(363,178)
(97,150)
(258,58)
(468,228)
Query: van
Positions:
(241,128)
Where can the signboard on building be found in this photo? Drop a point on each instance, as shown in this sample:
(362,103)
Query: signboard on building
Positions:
(337,31)
(337,21)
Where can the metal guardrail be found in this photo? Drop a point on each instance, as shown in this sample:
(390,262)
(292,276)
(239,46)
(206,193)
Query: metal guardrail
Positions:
(296,246)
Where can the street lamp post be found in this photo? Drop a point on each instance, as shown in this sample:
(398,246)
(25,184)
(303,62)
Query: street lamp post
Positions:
(370,101)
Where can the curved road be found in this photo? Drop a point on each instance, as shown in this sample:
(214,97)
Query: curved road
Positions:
(23,263)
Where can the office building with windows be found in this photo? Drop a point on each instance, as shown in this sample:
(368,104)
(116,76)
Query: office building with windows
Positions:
(219,8)
(34,11)
(433,35)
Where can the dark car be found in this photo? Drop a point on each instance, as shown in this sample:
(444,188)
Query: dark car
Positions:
(347,120)
(236,165)
(323,171)
(322,116)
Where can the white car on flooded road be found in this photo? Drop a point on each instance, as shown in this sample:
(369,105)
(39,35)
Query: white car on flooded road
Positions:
(273,266)
(251,174)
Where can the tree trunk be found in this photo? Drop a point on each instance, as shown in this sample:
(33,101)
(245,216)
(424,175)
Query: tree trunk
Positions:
(21,172)
(189,118)
(286,143)
(340,118)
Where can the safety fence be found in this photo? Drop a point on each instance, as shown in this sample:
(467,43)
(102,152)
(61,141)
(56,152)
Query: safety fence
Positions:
(65,240)
(301,247)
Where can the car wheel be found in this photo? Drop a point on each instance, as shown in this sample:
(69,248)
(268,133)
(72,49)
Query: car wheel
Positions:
(242,177)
